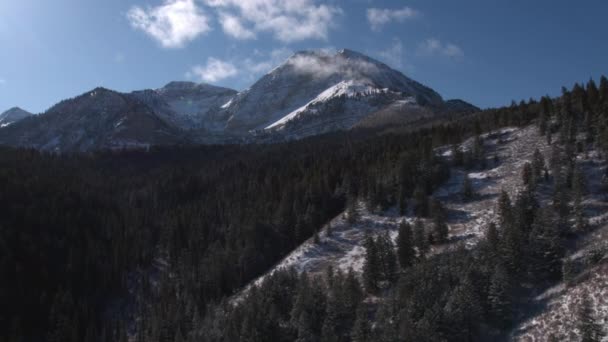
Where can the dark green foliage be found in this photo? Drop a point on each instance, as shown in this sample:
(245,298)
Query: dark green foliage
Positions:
(372,266)
(421,239)
(87,242)
(546,246)
(362,330)
(440,227)
(568,271)
(589,329)
(499,297)
(405,245)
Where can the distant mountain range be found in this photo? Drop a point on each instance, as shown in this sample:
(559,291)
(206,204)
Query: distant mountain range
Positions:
(310,93)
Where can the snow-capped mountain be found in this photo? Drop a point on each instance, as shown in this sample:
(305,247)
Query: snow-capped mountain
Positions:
(313,92)
(310,93)
(13,115)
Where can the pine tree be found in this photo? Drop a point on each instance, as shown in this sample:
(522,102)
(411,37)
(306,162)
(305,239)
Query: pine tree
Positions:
(603,91)
(361,330)
(505,210)
(388,260)
(545,114)
(440,227)
(405,245)
(528,177)
(352,212)
(464,310)
(499,297)
(538,165)
(421,240)
(371,266)
(578,190)
(568,271)
(492,241)
(589,329)
(546,247)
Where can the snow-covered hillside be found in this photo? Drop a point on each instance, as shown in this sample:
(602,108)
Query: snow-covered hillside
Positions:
(343,248)
(507,150)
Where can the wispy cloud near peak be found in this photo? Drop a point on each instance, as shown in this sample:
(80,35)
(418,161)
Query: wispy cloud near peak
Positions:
(215,70)
(172,24)
(378,17)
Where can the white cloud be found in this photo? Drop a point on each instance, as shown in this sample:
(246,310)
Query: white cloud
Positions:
(316,64)
(266,61)
(378,17)
(431,47)
(172,24)
(233,26)
(394,55)
(287,20)
(215,70)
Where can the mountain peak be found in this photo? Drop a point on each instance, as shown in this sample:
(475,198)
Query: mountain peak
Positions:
(13,115)
(176,85)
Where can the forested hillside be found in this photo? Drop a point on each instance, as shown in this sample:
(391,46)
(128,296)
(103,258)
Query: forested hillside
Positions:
(150,245)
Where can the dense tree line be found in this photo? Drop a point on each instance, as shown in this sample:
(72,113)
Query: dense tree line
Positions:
(96,246)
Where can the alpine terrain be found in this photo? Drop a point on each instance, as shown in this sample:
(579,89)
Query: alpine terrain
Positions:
(311,93)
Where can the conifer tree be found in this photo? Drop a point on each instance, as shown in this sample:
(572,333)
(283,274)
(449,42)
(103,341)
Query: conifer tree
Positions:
(361,330)
(505,210)
(546,247)
(538,165)
(440,227)
(568,271)
(589,329)
(405,245)
(499,296)
(464,310)
(578,190)
(603,91)
(492,241)
(371,266)
(421,240)
(388,260)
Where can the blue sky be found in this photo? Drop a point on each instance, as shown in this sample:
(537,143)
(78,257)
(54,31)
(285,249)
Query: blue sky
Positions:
(484,51)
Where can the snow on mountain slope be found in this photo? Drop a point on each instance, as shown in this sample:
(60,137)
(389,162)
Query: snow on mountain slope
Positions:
(559,305)
(13,115)
(343,248)
(347,89)
(308,79)
(188,105)
(311,93)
